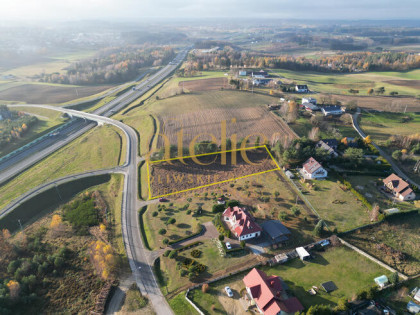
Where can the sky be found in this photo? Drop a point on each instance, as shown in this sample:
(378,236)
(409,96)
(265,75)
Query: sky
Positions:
(145,9)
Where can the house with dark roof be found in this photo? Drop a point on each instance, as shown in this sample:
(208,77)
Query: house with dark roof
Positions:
(241,223)
(328,146)
(312,169)
(301,88)
(269,294)
(399,188)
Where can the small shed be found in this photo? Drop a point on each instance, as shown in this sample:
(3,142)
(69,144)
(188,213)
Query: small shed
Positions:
(276,231)
(281,258)
(303,254)
(417,296)
(329,286)
(381,281)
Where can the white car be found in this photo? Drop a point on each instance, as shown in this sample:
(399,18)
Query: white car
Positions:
(228,246)
(229,292)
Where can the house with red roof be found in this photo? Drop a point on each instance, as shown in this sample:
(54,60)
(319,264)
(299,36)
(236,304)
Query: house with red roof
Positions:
(399,188)
(241,223)
(269,294)
(312,169)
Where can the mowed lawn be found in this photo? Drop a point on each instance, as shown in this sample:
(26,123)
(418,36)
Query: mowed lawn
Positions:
(99,148)
(339,208)
(380,126)
(349,271)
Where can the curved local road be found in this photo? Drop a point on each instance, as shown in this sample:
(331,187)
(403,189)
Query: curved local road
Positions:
(389,159)
(137,254)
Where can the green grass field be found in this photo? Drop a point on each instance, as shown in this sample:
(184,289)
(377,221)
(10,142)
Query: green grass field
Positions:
(44,125)
(99,148)
(180,305)
(347,213)
(341,83)
(380,126)
(349,271)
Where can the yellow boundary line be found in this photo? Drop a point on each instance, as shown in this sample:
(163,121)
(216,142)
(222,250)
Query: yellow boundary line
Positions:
(212,184)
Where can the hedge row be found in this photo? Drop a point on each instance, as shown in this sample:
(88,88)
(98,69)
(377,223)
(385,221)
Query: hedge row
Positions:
(217,221)
(354,191)
(142,231)
(158,272)
(187,237)
(189,246)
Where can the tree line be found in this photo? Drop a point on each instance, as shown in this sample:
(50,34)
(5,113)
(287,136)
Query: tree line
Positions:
(340,63)
(110,66)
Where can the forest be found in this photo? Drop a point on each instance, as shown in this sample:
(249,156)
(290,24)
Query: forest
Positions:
(341,63)
(111,66)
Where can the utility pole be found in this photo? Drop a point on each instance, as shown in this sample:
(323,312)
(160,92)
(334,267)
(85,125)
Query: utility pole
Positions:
(58,192)
(20,224)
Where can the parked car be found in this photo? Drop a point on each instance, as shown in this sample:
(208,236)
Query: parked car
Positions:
(229,292)
(163,199)
(228,246)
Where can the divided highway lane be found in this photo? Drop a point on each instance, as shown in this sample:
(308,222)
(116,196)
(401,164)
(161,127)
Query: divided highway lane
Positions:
(136,252)
(40,150)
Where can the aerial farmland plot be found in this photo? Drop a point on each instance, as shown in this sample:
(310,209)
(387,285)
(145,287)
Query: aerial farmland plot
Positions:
(168,177)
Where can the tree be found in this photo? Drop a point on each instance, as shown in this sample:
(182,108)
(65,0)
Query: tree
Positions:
(319,310)
(242,244)
(218,208)
(221,237)
(367,140)
(396,155)
(102,227)
(319,228)
(370,91)
(295,210)
(353,91)
(55,222)
(354,155)
(380,90)
(14,288)
(232,203)
(394,278)
(162,231)
(292,114)
(342,305)
(165,241)
(393,93)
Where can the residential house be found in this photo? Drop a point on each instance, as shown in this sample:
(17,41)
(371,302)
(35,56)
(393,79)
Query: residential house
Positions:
(241,223)
(399,188)
(259,74)
(301,88)
(328,146)
(332,110)
(309,100)
(269,294)
(260,81)
(313,170)
(310,107)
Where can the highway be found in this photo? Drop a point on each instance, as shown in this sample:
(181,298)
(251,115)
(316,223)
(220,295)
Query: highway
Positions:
(20,161)
(137,254)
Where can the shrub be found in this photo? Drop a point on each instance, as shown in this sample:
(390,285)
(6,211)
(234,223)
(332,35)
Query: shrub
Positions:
(319,228)
(183,272)
(166,253)
(242,244)
(173,254)
(81,214)
(165,241)
(221,237)
(189,199)
(171,204)
(196,253)
(394,278)
(295,210)
(188,211)
(232,203)
(283,216)
(205,287)
(162,231)
(171,221)
(155,213)
(218,208)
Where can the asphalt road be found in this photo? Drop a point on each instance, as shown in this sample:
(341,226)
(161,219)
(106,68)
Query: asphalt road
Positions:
(136,252)
(36,152)
(389,159)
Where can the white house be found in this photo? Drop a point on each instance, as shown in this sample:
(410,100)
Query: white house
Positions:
(301,88)
(313,170)
(241,223)
(309,100)
(332,110)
